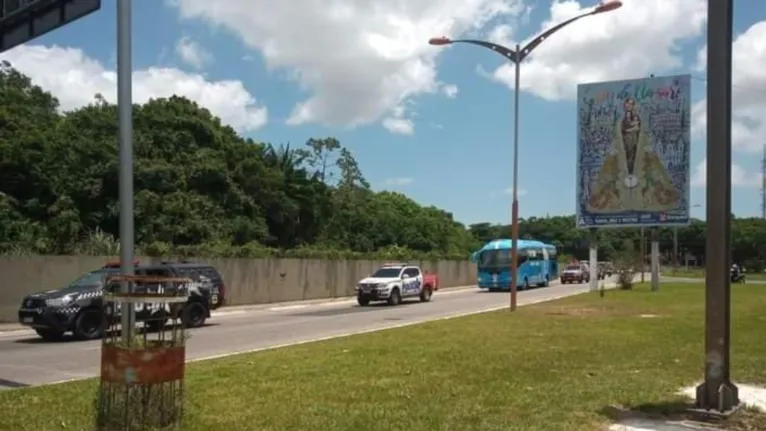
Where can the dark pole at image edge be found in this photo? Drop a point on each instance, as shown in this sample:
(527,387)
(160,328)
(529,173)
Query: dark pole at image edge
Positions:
(125,116)
(717,392)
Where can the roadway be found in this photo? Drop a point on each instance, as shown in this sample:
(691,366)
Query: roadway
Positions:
(25,360)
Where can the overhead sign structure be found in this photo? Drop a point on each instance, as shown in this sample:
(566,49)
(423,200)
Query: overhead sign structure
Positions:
(633,145)
(24,20)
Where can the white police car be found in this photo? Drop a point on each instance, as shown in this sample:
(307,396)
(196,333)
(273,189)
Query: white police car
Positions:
(394,282)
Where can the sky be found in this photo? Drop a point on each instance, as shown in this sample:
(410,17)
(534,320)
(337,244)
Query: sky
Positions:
(435,123)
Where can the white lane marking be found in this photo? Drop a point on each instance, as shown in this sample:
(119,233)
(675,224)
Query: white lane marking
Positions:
(288,307)
(224,313)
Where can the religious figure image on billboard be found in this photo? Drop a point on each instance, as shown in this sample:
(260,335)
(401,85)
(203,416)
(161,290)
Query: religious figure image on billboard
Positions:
(633,152)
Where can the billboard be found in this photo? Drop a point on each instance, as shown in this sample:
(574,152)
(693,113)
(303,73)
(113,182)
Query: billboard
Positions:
(633,144)
(24,20)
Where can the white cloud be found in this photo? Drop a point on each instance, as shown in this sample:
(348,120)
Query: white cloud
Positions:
(614,45)
(749,91)
(739,176)
(450,90)
(400,126)
(502,35)
(360,59)
(398,122)
(398,181)
(74,79)
(192,53)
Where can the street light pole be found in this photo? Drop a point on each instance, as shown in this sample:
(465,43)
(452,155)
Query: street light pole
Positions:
(125,127)
(517,55)
(718,392)
(515,203)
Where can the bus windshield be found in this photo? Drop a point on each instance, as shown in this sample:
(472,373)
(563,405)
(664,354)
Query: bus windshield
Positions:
(496,259)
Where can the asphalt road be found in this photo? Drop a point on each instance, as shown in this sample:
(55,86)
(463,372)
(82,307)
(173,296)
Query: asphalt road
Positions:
(25,360)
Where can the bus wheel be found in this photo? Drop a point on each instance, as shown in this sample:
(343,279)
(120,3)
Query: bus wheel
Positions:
(547,282)
(526,284)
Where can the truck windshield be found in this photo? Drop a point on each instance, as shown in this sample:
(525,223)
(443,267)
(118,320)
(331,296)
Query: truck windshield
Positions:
(387,273)
(93,278)
(573,268)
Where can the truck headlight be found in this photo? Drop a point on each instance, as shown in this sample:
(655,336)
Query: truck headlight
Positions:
(60,302)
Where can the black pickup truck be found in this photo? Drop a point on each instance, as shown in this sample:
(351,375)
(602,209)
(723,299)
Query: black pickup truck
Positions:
(78,308)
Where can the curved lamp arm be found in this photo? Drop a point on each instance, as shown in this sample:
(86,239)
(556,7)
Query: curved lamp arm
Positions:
(547,33)
(518,55)
(510,54)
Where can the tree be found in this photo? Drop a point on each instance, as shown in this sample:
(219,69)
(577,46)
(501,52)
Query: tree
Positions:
(200,188)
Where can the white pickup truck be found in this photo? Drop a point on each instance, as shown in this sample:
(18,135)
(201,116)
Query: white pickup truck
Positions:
(394,282)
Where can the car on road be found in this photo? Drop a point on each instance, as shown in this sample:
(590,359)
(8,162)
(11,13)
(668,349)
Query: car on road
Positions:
(394,282)
(79,307)
(575,273)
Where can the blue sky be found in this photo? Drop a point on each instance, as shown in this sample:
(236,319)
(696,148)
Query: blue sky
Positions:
(458,157)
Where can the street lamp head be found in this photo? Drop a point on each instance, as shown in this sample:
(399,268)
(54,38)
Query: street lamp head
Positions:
(439,41)
(608,6)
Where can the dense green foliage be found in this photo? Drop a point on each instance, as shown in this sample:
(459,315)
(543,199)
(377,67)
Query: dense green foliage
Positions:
(201,189)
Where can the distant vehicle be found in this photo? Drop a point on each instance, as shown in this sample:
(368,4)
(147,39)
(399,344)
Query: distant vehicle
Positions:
(78,308)
(605,269)
(575,273)
(394,282)
(738,276)
(537,265)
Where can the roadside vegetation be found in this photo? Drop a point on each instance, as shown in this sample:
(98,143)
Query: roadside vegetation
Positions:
(202,190)
(566,365)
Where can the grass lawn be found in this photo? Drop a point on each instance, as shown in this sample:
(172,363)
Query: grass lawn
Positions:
(552,366)
(700,273)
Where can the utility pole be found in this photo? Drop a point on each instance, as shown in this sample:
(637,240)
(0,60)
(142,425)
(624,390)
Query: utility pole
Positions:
(763,183)
(643,255)
(675,249)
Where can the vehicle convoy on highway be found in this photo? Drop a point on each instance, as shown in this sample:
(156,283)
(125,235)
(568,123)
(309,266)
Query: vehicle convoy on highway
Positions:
(537,265)
(575,273)
(394,282)
(78,308)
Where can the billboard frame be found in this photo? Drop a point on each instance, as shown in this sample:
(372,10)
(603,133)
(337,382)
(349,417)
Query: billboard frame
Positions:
(684,83)
(39,18)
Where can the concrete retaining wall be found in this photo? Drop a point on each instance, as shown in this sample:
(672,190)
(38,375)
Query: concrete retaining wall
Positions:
(248,281)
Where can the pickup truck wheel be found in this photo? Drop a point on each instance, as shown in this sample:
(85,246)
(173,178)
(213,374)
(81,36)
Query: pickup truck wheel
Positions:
(50,334)
(363,301)
(194,315)
(395,298)
(425,294)
(88,325)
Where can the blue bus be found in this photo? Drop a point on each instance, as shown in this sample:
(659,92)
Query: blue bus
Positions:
(537,264)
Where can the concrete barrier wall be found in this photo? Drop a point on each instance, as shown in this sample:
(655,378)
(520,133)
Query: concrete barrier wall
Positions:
(248,281)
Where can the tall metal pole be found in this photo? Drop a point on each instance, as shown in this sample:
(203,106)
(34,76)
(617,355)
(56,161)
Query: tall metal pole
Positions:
(515,204)
(125,115)
(718,392)
(642,250)
(655,259)
(675,249)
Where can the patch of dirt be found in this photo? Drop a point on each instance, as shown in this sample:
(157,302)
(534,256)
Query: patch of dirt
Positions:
(574,311)
(745,419)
